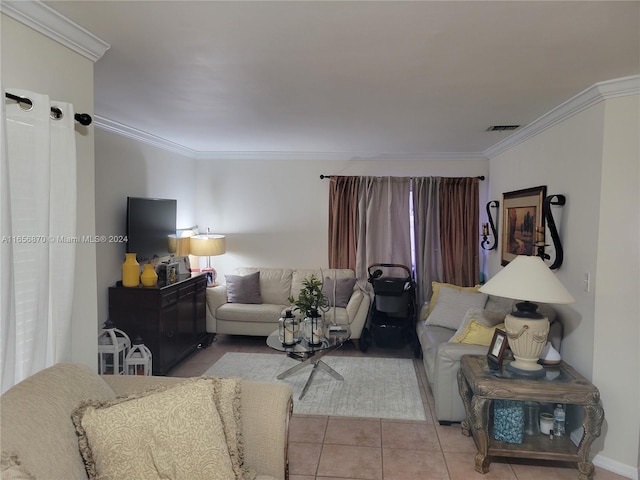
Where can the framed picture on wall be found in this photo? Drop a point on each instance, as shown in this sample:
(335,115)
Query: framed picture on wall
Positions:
(522,222)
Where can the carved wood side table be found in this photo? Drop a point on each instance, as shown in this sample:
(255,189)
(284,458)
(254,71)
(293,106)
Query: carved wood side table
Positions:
(479,386)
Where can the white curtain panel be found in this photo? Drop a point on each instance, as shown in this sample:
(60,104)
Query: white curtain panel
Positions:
(38,221)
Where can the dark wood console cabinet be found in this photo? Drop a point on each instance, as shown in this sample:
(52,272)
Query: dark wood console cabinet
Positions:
(169,318)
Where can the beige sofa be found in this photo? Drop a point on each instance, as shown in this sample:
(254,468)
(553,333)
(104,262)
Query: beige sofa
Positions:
(441,357)
(276,286)
(37,427)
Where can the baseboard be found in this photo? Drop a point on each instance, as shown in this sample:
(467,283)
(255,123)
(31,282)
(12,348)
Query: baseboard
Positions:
(607,463)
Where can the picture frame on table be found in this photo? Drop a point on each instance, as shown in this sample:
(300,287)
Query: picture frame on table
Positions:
(523,222)
(497,348)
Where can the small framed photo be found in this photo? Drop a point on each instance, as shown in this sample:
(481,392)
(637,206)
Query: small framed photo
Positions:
(497,348)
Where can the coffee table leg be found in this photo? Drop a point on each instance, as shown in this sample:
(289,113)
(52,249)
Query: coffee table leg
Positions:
(294,369)
(309,380)
(326,368)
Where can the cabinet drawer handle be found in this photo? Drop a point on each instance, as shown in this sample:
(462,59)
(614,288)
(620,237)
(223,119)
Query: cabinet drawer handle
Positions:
(170,334)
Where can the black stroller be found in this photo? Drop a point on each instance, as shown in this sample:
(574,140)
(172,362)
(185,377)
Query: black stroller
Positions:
(392,316)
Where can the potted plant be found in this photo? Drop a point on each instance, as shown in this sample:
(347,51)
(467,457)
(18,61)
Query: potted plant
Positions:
(310,302)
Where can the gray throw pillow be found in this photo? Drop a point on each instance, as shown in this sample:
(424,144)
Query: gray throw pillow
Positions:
(452,305)
(243,289)
(343,290)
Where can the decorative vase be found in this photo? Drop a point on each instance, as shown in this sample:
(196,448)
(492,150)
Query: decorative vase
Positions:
(130,271)
(149,277)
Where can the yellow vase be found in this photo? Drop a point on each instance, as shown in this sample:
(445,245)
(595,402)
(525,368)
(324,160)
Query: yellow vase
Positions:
(130,271)
(149,277)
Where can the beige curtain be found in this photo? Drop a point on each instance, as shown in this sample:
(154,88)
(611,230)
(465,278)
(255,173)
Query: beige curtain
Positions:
(384,224)
(426,218)
(343,220)
(459,230)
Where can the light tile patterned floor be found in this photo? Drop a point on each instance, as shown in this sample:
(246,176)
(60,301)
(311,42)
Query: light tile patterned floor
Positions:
(345,448)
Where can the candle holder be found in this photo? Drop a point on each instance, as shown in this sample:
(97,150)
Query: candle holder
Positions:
(313,329)
(485,228)
(289,329)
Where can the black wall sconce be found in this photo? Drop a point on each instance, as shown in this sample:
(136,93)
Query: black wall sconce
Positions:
(553,231)
(485,228)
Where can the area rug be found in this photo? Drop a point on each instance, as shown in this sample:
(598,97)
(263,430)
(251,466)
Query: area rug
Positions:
(372,387)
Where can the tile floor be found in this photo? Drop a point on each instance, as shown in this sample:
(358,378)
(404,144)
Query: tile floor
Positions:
(347,448)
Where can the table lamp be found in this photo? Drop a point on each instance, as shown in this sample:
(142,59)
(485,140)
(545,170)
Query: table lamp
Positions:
(528,279)
(208,245)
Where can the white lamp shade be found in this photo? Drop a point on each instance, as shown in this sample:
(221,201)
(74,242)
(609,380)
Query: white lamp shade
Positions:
(207,245)
(528,278)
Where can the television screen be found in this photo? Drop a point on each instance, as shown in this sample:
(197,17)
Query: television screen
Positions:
(150,221)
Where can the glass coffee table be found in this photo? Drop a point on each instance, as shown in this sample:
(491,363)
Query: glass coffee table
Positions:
(308,354)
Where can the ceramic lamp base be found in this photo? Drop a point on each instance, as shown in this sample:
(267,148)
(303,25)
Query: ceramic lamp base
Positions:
(527,337)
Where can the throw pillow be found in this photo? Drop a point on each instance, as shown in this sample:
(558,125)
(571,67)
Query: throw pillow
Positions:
(452,305)
(11,468)
(435,293)
(173,433)
(343,289)
(485,317)
(478,334)
(243,289)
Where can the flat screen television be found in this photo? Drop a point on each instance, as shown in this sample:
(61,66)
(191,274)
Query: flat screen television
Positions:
(150,221)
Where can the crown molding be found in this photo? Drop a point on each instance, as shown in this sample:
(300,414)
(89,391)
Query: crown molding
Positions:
(149,139)
(143,137)
(589,97)
(55,26)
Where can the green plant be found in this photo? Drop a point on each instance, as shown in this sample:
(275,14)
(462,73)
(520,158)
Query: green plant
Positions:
(310,300)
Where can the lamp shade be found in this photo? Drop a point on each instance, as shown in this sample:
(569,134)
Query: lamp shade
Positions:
(528,278)
(207,245)
(179,246)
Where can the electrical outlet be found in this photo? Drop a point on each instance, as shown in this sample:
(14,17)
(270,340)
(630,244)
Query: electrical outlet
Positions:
(587,282)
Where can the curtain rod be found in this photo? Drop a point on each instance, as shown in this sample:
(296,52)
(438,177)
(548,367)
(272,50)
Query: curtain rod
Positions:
(322,177)
(82,118)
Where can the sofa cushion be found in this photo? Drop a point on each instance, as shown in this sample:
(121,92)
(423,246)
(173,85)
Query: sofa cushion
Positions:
(243,288)
(172,433)
(275,283)
(486,317)
(338,291)
(246,312)
(435,293)
(452,305)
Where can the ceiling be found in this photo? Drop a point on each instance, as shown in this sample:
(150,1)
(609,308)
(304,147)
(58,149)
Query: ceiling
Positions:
(349,78)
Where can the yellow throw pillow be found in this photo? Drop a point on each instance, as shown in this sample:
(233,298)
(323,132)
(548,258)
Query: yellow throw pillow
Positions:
(477,334)
(175,433)
(435,288)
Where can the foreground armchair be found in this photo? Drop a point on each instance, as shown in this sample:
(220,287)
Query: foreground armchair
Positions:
(39,436)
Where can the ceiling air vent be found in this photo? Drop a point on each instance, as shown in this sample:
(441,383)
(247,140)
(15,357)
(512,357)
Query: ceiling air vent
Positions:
(502,128)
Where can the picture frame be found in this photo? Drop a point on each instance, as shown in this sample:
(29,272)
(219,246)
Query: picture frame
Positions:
(497,348)
(523,222)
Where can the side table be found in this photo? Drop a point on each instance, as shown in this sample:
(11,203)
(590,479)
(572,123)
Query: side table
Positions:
(479,386)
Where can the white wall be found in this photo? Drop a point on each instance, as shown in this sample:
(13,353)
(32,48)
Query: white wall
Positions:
(129,168)
(275,213)
(33,62)
(617,307)
(592,158)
